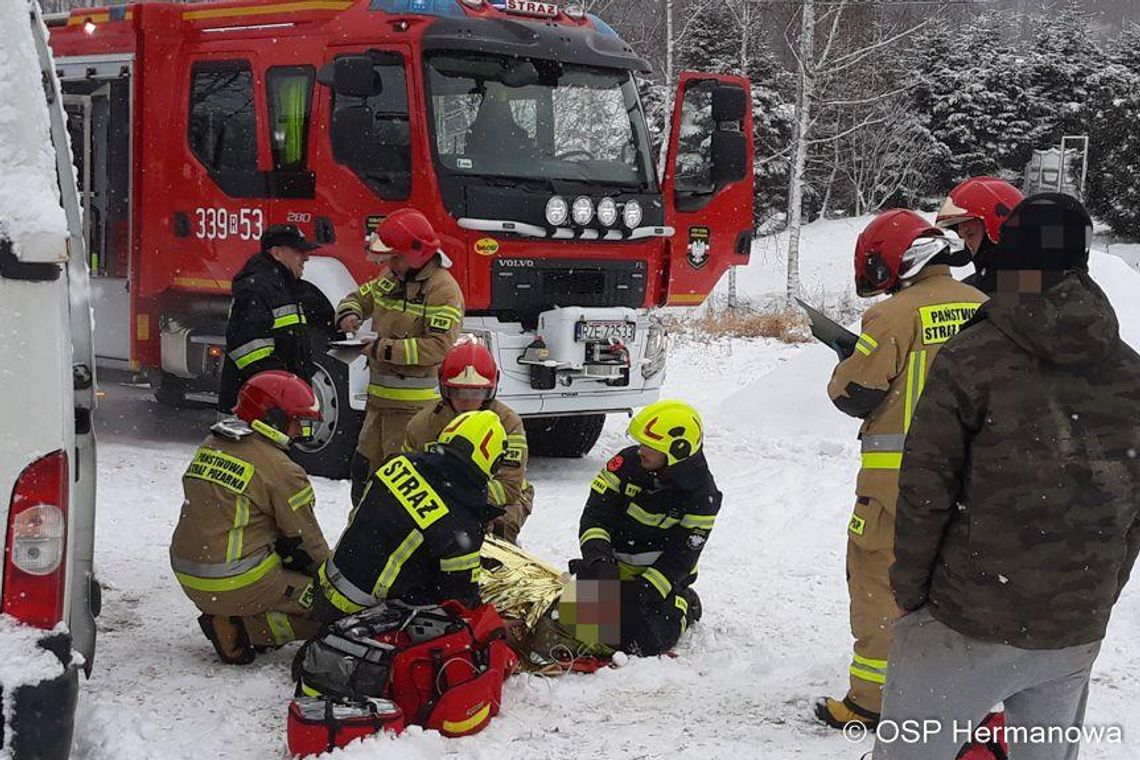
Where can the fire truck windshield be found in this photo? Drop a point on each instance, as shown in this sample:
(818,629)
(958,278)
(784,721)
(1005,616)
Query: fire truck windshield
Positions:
(537,119)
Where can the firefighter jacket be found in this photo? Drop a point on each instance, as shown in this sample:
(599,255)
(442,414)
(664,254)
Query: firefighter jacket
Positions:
(882,380)
(415,536)
(654,527)
(246,503)
(1019,511)
(267,327)
(416,322)
(510,486)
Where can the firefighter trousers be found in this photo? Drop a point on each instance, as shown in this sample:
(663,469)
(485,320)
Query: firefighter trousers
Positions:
(275,610)
(385,425)
(870,553)
(653,627)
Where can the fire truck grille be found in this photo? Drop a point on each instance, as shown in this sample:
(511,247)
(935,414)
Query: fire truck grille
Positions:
(522,288)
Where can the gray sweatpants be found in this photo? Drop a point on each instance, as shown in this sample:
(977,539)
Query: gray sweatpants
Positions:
(944,682)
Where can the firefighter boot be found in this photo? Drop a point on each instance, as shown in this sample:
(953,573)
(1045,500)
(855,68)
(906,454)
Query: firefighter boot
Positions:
(694,602)
(838,714)
(229,638)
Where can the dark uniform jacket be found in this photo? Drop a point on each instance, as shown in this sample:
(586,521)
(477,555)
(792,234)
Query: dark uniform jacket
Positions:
(1019,513)
(984,276)
(415,536)
(267,327)
(653,528)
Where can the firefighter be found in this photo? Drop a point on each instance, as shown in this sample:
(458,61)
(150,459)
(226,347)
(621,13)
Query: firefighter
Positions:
(268,327)
(417,311)
(468,379)
(247,544)
(975,210)
(416,533)
(646,521)
(901,254)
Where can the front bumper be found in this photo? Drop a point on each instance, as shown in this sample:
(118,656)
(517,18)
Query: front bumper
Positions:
(43,714)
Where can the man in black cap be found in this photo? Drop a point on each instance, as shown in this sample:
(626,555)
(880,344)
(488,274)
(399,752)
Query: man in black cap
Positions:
(1018,519)
(268,327)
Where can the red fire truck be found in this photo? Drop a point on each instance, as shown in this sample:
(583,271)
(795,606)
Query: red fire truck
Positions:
(516,127)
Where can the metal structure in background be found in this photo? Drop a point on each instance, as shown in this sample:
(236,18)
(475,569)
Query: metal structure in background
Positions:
(1062,169)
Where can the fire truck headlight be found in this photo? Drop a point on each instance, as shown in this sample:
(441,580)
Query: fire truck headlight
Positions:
(656,342)
(607,211)
(583,210)
(574,11)
(631,215)
(556,211)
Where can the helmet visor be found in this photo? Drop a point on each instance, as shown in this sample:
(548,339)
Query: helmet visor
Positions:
(454,393)
(374,244)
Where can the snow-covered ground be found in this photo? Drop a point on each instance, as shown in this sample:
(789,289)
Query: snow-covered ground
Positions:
(774,634)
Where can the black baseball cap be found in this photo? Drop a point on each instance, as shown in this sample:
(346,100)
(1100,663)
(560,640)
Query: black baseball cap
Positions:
(288,235)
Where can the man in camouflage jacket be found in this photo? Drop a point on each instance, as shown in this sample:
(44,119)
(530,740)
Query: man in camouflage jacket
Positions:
(1019,511)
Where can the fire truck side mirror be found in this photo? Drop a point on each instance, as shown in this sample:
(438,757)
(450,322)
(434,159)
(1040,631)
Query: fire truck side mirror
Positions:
(728,103)
(729,145)
(352,76)
(729,157)
(352,135)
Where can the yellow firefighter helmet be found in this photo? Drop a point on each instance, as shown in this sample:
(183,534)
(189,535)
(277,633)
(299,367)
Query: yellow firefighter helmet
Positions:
(669,426)
(478,437)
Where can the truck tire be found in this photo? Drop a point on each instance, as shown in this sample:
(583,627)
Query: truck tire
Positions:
(563,437)
(329,452)
(169,390)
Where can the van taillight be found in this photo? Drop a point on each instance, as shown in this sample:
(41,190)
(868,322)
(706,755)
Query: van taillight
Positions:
(34,566)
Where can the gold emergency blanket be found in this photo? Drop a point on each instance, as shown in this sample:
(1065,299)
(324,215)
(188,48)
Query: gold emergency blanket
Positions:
(520,585)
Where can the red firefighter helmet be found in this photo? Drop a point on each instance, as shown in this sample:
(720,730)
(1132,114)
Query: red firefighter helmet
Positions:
(407,233)
(276,398)
(986,198)
(896,245)
(468,368)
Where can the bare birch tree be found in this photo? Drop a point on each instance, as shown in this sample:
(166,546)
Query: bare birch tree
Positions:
(818,66)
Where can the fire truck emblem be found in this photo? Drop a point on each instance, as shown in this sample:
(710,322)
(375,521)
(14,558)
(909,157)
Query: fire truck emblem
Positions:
(486,246)
(698,253)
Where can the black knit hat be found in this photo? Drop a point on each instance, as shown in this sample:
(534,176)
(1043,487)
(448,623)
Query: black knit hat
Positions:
(1046,232)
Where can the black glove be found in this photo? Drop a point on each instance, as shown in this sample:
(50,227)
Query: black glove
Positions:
(596,568)
(293,557)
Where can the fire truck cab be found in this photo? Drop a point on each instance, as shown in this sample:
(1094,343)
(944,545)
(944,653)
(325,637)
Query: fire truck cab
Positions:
(516,127)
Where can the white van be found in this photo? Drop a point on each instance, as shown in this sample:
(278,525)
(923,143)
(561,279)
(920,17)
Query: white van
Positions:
(47,451)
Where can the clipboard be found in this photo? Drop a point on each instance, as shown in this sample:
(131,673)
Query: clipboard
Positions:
(348,350)
(830,333)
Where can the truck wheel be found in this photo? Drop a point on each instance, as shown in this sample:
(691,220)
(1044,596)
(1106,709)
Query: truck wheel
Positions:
(329,451)
(564,437)
(169,390)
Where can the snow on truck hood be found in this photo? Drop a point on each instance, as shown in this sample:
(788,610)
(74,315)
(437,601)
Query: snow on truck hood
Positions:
(30,213)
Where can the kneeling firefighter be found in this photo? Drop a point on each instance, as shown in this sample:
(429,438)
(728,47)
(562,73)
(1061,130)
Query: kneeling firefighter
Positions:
(648,516)
(247,544)
(468,379)
(901,254)
(417,530)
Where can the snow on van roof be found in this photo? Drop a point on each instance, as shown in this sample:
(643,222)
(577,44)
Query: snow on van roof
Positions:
(31,216)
